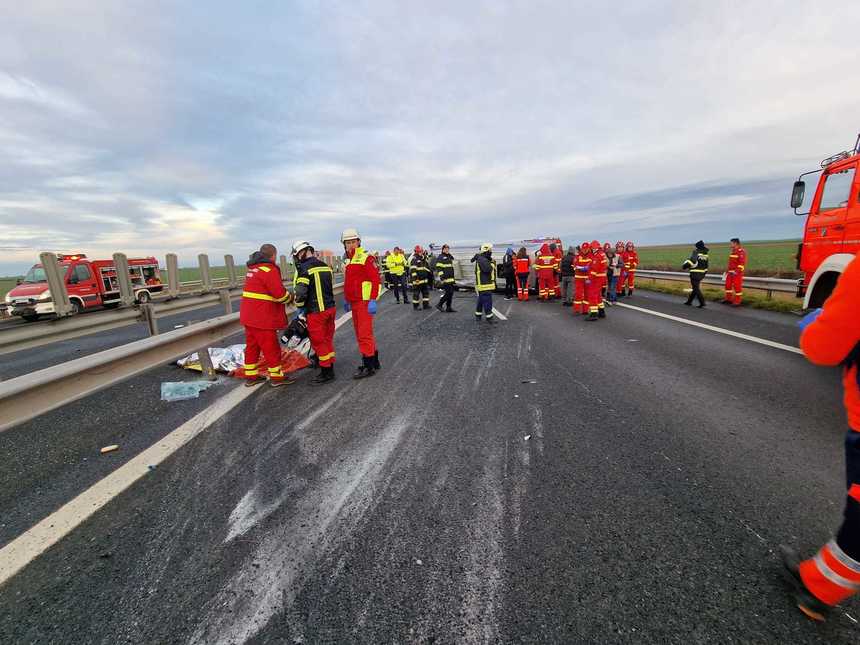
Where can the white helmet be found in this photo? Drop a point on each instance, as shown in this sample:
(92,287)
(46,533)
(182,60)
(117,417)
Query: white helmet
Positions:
(298,247)
(486,246)
(349,234)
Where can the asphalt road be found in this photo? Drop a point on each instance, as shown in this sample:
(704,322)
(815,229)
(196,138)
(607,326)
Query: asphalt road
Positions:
(635,492)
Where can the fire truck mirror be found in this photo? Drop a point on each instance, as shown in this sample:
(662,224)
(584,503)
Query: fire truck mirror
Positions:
(797,194)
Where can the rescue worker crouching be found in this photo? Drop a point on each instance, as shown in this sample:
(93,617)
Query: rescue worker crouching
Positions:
(262,314)
(314,297)
(420,276)
(485,282)
(360,291)
(445,273)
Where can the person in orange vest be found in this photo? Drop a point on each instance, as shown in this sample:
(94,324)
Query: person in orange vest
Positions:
(596,279)
(631,261)
(545,267)
(582,270)
(262,314)
(735,274)
(622,275)
(555,249)
(360,291)
(522,265)
(832,337)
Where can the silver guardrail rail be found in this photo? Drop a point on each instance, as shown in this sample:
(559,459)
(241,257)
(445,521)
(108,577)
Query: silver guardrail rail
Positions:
(25,397)
(769,285)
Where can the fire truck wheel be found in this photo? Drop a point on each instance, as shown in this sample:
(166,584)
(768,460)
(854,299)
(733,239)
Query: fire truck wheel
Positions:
(76,307)
(143,297)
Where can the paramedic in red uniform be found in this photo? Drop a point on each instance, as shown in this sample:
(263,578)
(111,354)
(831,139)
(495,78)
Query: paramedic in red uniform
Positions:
(735,274)
(631,261)
(832,337)
(596,279)
(262,314)
(314,294)
(581,282)
(522,265)
(545,268)
(360,291)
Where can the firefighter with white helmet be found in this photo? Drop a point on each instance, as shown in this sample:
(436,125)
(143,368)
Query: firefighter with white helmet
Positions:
(361,288)
(314,297)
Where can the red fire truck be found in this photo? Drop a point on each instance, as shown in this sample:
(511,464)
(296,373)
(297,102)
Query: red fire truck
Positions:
(831,237)
(90,283)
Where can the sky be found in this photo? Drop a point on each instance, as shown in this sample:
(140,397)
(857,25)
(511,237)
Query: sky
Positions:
(189,127)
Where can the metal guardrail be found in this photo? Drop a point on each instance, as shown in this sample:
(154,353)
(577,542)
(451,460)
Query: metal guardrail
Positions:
(25,397)
(769,285)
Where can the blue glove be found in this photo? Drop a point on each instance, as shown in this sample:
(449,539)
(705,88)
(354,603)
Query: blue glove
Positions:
(809,318)
(301,311)
(371,307)
(346,306)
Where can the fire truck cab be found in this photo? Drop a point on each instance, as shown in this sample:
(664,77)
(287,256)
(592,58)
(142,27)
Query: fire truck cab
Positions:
(91,284)
(831,237)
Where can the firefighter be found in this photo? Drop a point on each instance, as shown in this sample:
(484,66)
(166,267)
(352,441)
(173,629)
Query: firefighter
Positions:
(485,282)
(396,265)
(522,266)
(314,296)
(832,337)
(581,268)
(420,276)
(631,261)
(360,291)
(622,271)
(596,280)
(555,249)
(567,279)
(545,267)
(262,314)
(735,274)
(697,265)
(445,273)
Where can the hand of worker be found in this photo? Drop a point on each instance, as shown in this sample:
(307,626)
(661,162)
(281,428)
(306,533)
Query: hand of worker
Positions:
(371,307)
(346,306)
(809,318)
(301,311)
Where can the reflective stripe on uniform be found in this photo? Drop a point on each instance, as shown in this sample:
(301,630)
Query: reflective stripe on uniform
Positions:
(264,269)
(326,357)
(318,283)
(258,296)
(831,576)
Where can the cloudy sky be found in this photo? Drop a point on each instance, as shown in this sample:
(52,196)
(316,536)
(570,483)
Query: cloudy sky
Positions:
(214,126)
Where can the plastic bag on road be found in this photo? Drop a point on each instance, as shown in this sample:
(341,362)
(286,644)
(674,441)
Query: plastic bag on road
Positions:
(182,390)
(224,359)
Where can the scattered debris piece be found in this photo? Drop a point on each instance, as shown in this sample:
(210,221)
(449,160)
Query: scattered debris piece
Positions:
(178,326)
(850,617)
(150,467)
(110,448)
(516,396)
(418,562)
(527,437)
(632,340)
(529,380)
(182,390)
(105,555)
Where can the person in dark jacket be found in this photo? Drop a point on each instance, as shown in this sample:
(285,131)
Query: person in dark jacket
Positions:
(697,265)
(508,273)
(314,297)
(485,282)
(567,277)
(445,273)
(420,276)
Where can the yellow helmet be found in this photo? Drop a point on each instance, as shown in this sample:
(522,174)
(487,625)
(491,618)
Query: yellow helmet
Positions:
(486,246)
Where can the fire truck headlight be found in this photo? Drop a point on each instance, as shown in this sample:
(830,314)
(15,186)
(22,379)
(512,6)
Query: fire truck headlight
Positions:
(8,298)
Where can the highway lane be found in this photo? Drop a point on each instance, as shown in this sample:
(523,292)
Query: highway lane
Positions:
(663,465)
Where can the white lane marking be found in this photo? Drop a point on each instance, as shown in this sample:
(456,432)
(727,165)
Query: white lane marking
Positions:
(499,314)
(34,542)
(719,330)
(508,310)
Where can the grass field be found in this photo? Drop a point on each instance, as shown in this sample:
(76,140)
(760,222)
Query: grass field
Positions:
(6,285)
(774,259)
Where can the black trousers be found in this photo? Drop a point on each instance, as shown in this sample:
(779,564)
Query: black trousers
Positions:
(447,297)
(420,295)
(695,281)
(399,282)
(510,287)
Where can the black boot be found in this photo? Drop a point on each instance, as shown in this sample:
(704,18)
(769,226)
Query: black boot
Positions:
(365,369)
(326,375)
(439,306)
(688,302)
(426,305)
(811,606)
(601,313)
(415,306)
(592,316)
(450,311)
(376,364)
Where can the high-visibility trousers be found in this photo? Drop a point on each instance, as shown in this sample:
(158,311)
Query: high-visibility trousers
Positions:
(622,280)
(631,277)
(321,333)
(734,286)
(362,322)
(545,284)
(593,295)
(556,281)
(833,574)
(522,286)
(265,340)
(580,296)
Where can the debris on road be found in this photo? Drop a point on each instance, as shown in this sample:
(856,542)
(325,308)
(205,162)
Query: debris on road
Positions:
(527,437)
(516,396)
(231,360)
(530,380)
(110,448)
(183,390)
(418,562)
(632,340)
(178,326)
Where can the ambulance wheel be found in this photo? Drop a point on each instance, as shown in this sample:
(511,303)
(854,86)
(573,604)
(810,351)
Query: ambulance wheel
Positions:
(31,317)
(143,297)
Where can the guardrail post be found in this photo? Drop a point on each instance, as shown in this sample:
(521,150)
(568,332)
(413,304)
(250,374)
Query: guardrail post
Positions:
(769,294)
(225,300)
(206,367)
(231,271)
(285,269)
(123,278)
(56,275)
(172,275)
(148,312)
(205,278)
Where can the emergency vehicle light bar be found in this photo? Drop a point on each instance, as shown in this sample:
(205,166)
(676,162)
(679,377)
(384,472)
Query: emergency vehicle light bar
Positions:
(70,256)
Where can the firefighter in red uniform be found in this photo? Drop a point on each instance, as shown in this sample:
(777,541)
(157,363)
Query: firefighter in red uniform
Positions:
(314,295)
(522,265)
(833,338)
(582,282)
(735,274)
(631,261)
(545,267)
(360,291)
(596,279)
(262,314)
(555,249)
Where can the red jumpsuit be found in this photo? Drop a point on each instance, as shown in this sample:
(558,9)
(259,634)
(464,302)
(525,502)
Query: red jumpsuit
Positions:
(262,314)
(522,269)
(545,267)
(582,268)
(735,275)
(360,286)
(631,261)
(833,339)
(597,276)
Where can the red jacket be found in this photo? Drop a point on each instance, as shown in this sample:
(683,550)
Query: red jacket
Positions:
(631,260)
(835,334)
(599,265)
(737,260)
(582,265)
(264,296)
(545,260)
(523,265)
(361,277)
